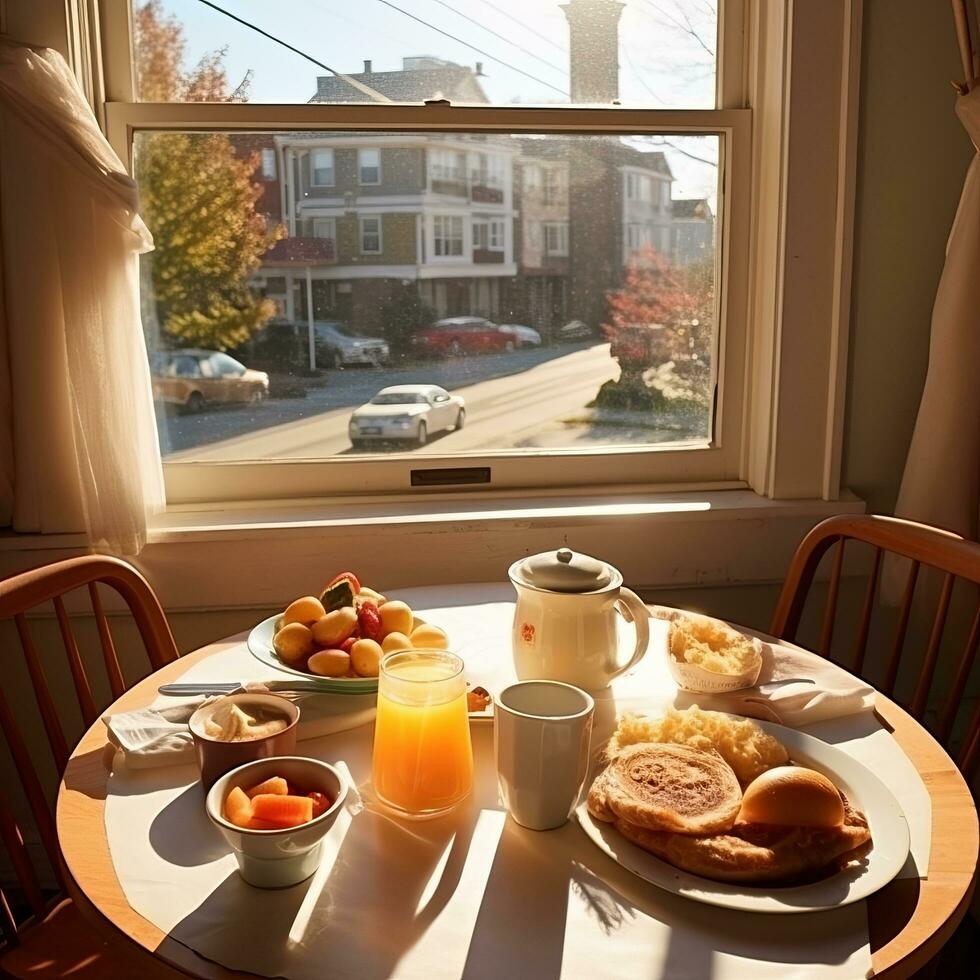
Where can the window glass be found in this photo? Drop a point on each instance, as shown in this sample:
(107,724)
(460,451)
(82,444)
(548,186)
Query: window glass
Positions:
(269,163)
(321,162)
(619,297)
(370,235)
(657,53)
(369,166)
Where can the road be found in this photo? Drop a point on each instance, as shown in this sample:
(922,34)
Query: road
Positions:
(508,398)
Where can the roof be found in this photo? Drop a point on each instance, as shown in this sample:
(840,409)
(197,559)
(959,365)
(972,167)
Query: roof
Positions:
(458,83)
(693,207)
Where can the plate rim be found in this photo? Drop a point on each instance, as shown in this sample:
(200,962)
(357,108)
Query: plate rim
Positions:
(743,898)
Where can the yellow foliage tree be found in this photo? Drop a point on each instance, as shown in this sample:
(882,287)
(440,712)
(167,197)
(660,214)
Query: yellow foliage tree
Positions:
(198,199)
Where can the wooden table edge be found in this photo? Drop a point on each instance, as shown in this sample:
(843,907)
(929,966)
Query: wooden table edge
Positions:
(93,882)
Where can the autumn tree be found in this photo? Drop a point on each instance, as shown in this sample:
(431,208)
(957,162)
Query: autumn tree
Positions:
(198,199)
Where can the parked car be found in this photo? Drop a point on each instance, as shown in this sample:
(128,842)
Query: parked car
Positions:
(407,412)
(463,335)
(523,336)
(345,346)
(575,330)
(192,378)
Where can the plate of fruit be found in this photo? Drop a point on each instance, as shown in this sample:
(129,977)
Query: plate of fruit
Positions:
(339,636)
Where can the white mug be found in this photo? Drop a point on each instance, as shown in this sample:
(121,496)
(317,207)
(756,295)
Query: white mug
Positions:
(541,735)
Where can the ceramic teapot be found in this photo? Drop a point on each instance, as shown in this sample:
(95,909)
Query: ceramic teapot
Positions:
(565,622)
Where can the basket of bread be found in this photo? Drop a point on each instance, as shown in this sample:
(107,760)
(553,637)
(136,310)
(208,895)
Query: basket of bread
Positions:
(707,656)
(719,797)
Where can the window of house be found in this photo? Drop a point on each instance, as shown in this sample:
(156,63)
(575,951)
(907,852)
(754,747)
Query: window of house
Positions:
(370,235)
(552,185)
(496,237)
(321,168)
(268,163)
(369,166)
(325,228)
(447,235)
(697,132)
(447,166)
(556,237)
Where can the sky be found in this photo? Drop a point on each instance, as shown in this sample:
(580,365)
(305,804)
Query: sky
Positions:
(666,52)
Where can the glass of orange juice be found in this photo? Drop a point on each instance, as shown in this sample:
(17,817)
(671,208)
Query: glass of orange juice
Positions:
(423,759)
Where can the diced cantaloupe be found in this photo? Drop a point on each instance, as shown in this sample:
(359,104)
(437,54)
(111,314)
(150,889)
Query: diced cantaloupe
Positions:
(256,824)
(274,785)
(238,807)
(283,811)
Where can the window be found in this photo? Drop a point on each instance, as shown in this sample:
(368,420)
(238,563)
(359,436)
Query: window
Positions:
(268,163)
(532,177)
(496,242)
(447,166)
(556,237)
(321,168)
(481,235)
(704,438)
(325,228)
(447,235)
(369,166)
(552,186)
(371,235)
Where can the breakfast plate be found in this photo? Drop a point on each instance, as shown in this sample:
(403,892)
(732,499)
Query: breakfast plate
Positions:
(260,646)
(889,830)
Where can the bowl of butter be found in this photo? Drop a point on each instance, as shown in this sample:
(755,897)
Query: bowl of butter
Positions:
(240,728)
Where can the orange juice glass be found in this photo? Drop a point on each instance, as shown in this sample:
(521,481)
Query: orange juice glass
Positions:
(423,759)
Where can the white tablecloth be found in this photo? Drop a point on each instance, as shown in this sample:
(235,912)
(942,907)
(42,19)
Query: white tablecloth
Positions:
(472,894)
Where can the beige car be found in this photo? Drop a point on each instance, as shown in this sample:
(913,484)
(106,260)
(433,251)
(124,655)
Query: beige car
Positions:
(193,378)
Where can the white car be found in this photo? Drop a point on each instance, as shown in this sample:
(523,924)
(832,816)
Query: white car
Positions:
(411,412)
(525,336)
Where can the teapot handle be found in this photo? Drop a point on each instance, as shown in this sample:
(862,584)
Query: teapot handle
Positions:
(632,608)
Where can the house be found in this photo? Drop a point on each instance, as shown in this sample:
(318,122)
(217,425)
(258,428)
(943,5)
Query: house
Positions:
(692,230)
(419,79)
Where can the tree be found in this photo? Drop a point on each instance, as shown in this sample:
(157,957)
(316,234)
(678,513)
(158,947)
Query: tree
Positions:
(198,200)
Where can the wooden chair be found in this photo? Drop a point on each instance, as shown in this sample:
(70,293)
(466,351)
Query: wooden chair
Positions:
(54,939)
(923,546)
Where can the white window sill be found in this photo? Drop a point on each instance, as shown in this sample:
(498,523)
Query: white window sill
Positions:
(257,557)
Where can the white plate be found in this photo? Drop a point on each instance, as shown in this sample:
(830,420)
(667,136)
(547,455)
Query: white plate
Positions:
(889,834)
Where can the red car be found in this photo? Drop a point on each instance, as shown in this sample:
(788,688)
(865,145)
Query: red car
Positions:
(463,335)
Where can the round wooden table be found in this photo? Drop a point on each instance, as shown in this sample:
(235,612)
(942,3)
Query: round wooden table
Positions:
(909,920)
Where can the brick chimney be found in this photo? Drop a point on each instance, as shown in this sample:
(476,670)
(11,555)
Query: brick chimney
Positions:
(593,33)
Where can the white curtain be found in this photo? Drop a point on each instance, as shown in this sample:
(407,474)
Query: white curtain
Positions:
(941,483)
(84,444)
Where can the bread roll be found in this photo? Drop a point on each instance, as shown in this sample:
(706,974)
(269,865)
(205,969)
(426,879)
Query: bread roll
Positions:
(791,796)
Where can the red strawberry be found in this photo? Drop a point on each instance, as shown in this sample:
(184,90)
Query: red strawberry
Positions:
(321,803)
(369,621)
(349,642)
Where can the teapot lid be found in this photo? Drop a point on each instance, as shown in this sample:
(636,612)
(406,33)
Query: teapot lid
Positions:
(565,571)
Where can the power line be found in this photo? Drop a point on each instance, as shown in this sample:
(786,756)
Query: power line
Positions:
(501,37)
(473,47)
(529,29)
(353,82)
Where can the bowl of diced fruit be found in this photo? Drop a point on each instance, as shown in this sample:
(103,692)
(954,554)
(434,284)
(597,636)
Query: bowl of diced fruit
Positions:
(274,813)
(337,638)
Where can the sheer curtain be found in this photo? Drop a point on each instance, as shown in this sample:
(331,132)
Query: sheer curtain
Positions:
(84,452)
(941,484)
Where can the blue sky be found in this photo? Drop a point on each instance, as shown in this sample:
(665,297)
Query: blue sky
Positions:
(665,46)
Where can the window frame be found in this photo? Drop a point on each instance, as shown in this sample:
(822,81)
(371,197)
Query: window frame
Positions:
(362,151)
(314,153)
(561,230)
(443,216)
(767,59)
(330,222)
(361,220)
(268,153)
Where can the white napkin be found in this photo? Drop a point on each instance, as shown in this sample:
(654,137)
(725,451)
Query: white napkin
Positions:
(795,687)
(159,736)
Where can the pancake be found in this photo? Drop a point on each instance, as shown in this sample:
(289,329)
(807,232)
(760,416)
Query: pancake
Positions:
(758,852)
(666,787)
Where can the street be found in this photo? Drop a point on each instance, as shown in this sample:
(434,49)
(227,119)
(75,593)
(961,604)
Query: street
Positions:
(509,398)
